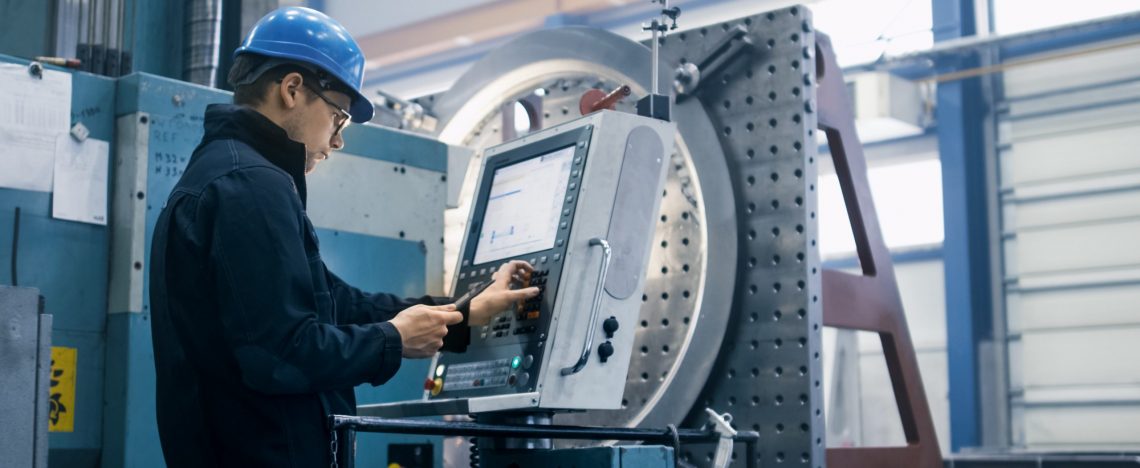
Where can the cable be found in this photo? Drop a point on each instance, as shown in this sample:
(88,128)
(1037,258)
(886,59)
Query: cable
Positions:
(15,245)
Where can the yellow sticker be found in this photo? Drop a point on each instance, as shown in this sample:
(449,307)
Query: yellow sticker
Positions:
(61,391)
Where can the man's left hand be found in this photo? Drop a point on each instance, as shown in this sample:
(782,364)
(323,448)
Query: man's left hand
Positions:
(499,296)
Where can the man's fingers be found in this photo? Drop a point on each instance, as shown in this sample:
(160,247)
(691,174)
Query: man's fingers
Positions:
(522,265)
(525,293)
(450,317)
(442,308)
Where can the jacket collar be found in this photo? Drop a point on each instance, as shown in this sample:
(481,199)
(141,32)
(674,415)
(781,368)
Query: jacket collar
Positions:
(229,121)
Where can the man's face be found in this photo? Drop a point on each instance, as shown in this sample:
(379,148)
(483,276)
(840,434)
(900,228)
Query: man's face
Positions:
(314,122)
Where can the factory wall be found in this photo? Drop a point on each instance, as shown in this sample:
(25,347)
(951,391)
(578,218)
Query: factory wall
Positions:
(1068,132)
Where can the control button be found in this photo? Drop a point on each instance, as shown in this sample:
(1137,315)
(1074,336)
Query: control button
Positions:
(605,350)
(574,173)
(564,225)
(524,378)
(533,261)
(610,326)
(528,361)
(577,160)
(462,275)
(560,242)
(436,386)
(572,186)
(512,379)
(466,262)
(542,259)
(566,212)
(499,334)
(515,361)
(429,384)
(532,315)
(439,370)
(569,199)
(557,257)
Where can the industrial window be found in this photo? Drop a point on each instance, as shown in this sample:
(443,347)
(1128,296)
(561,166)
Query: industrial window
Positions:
(1012,16)
(863,30)
(908,199)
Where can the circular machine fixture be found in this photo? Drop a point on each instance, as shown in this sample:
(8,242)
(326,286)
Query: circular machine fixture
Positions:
(692,268)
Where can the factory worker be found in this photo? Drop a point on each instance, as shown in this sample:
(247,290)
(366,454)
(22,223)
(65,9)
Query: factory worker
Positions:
(256,342)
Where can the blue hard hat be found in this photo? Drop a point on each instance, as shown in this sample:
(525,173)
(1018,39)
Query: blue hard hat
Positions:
(308,36)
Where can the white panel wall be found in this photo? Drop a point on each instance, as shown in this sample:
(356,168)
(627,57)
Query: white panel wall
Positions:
(1069,162)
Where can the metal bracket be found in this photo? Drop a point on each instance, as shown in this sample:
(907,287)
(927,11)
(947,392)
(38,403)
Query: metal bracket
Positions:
(870,301)
(585,357)
(722,424)
(687,77)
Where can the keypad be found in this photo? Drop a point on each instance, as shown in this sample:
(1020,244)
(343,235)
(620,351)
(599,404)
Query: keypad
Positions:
(480,374)
(526,312)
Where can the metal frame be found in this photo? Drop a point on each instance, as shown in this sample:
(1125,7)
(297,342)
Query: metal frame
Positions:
(870,301)
(347,426)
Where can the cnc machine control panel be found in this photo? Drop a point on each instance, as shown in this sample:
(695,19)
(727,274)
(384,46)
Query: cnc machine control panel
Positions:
(579,202)
(528,200)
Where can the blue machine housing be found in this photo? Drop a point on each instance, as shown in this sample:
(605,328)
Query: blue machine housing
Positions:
(94,278)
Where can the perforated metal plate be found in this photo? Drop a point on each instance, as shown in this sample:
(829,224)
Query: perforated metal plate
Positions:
(768,372)
(762,208)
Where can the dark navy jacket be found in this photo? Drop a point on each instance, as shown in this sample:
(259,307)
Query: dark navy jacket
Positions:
(255,341)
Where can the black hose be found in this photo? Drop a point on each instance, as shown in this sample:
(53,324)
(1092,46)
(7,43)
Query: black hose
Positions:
(15,245)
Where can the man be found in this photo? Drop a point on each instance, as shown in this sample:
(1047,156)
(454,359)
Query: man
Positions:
(255,341)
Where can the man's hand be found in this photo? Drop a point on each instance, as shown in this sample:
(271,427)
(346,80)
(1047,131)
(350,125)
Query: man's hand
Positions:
(499,295)
(423,327)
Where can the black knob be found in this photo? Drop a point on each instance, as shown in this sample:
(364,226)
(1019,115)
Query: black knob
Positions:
(605,350)
(610,326)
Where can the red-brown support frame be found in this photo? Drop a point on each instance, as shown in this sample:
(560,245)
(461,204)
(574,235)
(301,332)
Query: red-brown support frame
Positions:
(869,302)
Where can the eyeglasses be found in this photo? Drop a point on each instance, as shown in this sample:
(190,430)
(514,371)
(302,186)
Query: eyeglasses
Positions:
(342,118)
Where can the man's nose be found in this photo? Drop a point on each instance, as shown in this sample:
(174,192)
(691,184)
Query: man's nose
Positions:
(337,142)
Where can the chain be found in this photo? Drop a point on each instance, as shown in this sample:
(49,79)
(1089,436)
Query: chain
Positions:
(333,449)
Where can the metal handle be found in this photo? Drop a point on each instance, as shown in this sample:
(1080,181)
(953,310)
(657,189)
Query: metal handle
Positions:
(585,357)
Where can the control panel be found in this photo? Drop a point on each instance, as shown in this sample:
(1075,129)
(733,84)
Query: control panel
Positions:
(578,202)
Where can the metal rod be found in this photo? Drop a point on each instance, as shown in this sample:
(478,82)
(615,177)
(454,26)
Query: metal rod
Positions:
(15,245)
(609,100)
(463,428)
(119,41)
(78,26)
(471,429)
(92,5)
(105,29)
(653,76)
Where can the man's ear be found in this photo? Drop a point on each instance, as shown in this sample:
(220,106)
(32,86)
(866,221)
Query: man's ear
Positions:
(289,89)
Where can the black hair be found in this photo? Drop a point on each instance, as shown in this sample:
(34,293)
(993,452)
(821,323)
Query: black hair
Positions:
(253,94)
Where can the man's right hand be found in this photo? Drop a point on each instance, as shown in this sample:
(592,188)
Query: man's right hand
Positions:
(423,327)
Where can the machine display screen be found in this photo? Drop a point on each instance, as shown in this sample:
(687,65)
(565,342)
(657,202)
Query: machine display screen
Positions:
(524,206)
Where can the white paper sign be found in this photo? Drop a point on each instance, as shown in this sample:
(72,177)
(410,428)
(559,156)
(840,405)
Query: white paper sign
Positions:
(80,188)
(33,112)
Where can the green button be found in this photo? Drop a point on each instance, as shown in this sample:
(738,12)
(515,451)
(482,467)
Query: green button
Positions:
(515,362)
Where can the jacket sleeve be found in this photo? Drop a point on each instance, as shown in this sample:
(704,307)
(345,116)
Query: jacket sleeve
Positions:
(267,300)
(358,307)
